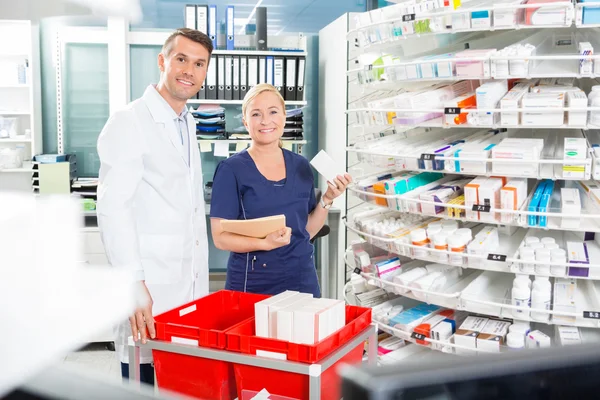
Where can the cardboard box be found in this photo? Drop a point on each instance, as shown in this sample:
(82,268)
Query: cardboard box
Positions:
(493,335)
(261,311)
(466,335)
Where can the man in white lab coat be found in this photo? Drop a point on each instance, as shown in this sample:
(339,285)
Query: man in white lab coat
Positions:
(150,196)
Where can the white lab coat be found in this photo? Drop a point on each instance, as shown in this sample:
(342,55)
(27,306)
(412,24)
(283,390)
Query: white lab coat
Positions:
(151,206)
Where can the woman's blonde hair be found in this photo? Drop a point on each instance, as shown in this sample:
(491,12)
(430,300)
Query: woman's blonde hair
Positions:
(255,91)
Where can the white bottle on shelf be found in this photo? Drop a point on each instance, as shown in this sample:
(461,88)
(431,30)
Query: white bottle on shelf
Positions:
(418,237)
(541,294)
(527,254)
(521,296)
(440,242)
(465,233)
(542,255)
(559,256)
(531,240)
(515,341)
(547,240)
(457,246)
(522,327)
(594,101)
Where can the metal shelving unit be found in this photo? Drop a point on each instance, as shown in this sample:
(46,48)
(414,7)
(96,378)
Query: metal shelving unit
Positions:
(375,146)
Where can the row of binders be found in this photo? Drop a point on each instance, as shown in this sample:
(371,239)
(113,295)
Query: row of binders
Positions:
(204,18)
(230,77)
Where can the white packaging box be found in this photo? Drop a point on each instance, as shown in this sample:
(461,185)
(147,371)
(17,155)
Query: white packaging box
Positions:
(285,321)
(486,241)
(537,339)
(517,149)
(372,298)
(442,332)
(467,334)
(305,325)
(412,71)
(427,70)
(443,195)
(586,66)
(564,299)
(289,301)
(489,193)
(506,17)
(493,335)
(488,95)
(472,197)
(546,101)
(512,197)
(577,99)
(568,335)
(574,149)
(512,100)
(477,151)
(333,315)
(261,312)
(570,203)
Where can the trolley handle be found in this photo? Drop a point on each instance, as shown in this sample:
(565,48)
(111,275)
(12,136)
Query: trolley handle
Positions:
(169,330)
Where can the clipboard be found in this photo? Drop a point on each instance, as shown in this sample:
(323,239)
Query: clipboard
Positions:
(257,228)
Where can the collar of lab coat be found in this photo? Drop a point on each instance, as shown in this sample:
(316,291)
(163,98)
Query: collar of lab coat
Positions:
(159,108)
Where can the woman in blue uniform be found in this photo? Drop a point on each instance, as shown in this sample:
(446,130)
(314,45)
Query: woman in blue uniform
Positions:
(267,180)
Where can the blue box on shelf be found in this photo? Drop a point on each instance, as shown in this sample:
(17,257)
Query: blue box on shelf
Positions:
(591,14)
(50,158)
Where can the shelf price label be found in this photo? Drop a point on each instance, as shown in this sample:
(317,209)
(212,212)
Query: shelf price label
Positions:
(408,17)
(591,314)
(482,207)
(418,336)
(451,110)
(427,157)
(497,257)
(357,271)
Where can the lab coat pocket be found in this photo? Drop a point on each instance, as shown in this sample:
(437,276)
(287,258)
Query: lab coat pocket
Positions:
(162,257)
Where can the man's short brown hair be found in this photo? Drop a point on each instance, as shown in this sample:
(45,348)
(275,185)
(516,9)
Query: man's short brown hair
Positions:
(191,34)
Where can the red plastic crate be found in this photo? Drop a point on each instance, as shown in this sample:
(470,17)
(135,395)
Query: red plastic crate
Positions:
(207,319)
(242,339)
(289,384)
(202,322)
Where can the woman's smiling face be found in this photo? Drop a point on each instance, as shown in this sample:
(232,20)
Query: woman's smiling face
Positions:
(265,118)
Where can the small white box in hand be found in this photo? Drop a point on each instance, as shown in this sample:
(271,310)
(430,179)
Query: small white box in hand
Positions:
(326,166)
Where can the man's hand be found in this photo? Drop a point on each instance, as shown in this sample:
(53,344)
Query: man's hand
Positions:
(142,318)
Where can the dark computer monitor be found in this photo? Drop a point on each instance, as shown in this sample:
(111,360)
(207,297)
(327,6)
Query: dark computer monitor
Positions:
(559,373)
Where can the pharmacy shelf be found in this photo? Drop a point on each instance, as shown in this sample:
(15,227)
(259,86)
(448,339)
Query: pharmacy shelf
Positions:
(239,102)
(439,123)
(278,53)
(508,247)
(383,27)
(26,168)
(5,112)
(15,86)
(579,7)
(589,221)
(549,66)
(546,169)
(447,347)
(15,140)
(586,299)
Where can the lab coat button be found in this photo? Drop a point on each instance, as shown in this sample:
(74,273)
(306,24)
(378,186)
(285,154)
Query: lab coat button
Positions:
(197,243)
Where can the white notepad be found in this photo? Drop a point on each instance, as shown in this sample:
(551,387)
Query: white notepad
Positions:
(325,166)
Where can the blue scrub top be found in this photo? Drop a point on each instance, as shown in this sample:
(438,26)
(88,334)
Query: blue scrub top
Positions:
(241,192)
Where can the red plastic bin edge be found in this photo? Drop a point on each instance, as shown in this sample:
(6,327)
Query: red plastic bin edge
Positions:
(248,344)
